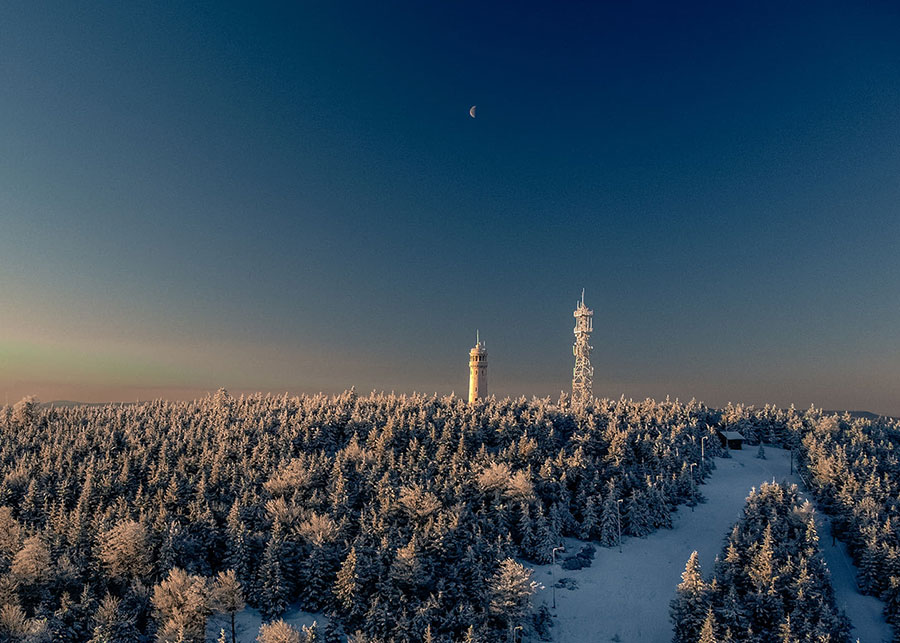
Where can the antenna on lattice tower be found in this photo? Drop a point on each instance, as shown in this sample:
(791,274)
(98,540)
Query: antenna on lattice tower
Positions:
(583,373)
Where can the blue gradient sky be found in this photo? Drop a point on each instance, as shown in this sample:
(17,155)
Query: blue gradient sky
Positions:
(294,198)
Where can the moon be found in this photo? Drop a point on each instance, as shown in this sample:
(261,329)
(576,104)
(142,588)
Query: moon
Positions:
(472,111)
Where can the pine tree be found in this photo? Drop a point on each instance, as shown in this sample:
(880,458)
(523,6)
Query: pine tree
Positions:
(10,537)
(870,565)
(785,632)
(347,589)
(544,539)
(331,634)
(227,597)
(708,629)
(25,411)
(637,518)
(761,569)
(609,523)
(589,520)
(111,623)
(31,565)
(237,556)
(124,550)
(310,634)
(731,611)
(688,608)
(71,622)
(278,632)
(182,604)
(471,635)
(509,593)
(273,591)
(316,577)
(660,516)
(525,532)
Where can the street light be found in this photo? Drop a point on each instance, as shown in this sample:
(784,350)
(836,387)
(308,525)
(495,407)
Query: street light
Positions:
(702,449)
(515,633)
(553,554)
(619,523)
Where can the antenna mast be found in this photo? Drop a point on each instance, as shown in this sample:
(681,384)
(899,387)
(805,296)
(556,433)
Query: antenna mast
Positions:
(583,373)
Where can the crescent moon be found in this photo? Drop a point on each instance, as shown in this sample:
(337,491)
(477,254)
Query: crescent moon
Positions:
(472,111)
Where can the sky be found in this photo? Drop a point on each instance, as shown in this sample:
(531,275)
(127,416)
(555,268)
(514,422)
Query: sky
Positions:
(292,197)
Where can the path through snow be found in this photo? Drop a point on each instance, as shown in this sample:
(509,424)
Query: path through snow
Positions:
(625,596)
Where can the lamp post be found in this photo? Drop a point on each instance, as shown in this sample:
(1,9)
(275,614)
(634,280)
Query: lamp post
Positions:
(693,494)
(619,523)
(517,629)
(702,448)
(553,554)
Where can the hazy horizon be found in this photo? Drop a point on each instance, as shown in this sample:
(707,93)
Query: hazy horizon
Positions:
(297,199)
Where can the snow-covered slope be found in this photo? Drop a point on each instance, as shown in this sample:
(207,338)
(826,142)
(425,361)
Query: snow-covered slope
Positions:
(625,596)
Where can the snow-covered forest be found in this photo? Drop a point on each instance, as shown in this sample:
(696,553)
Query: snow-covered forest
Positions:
(770,582)
(404,518)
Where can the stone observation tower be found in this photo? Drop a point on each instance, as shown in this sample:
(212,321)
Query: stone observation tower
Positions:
(583,373)
(477,370)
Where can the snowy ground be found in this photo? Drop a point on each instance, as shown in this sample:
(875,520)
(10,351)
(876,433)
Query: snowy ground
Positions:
(625,596)
(248,622)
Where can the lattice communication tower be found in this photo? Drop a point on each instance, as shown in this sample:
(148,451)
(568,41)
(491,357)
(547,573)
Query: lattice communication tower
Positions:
(583,373)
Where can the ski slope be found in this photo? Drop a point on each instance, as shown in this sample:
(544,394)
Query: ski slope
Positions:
(625,596)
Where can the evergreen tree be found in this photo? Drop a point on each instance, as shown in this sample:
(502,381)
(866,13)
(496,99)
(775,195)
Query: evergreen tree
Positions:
(273,591)
(509,593)
(609,523)
(689,608)
(237,556)
(637,517)
(589,520)
(708,629)
(331,633)
(310,634)
(124,550)
(347,587)
(278,632)
(71,622)
(113,624)
(316,578)
(181,602)
(227,597)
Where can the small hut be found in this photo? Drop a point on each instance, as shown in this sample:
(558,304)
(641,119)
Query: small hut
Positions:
(731,439)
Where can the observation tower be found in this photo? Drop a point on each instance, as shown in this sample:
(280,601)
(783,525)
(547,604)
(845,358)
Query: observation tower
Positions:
(477,370)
